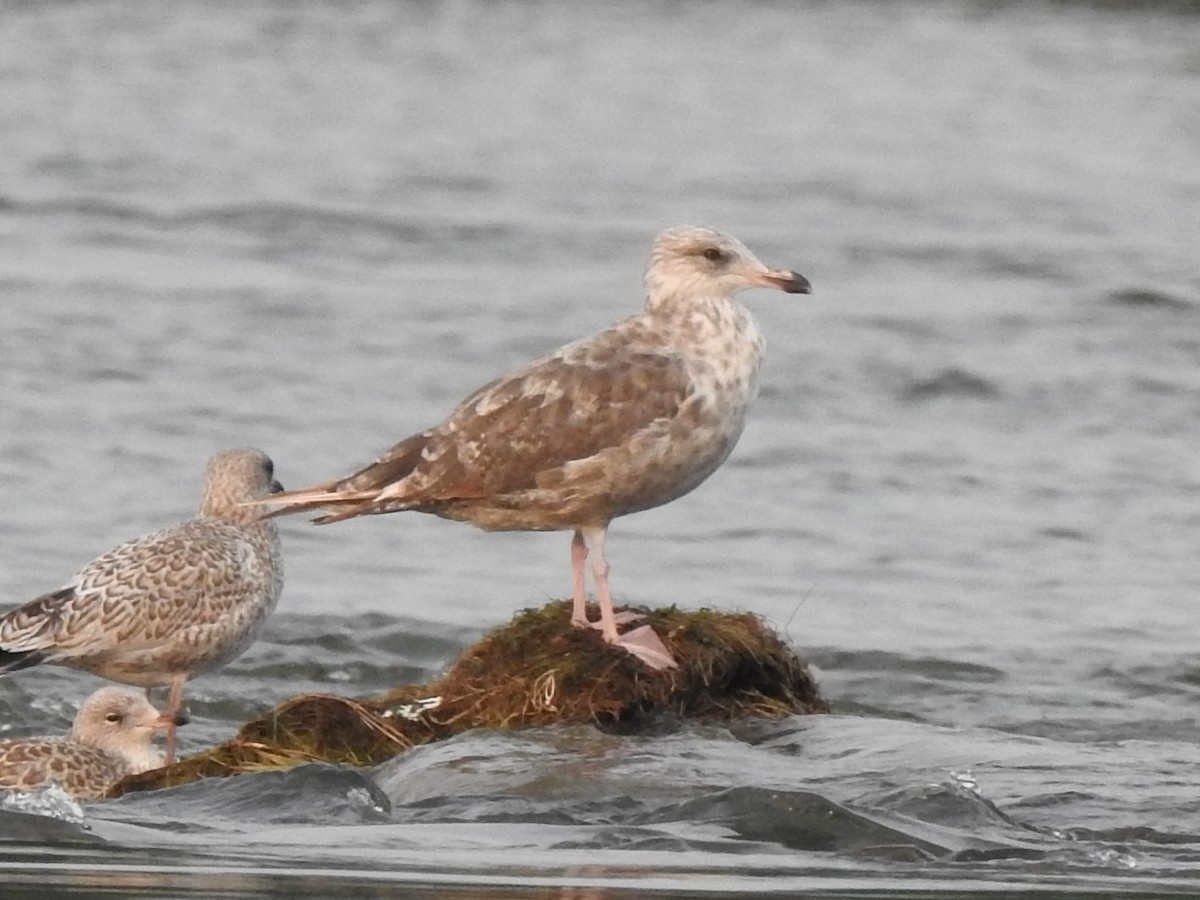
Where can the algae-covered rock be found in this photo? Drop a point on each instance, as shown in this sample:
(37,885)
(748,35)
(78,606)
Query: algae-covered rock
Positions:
(537,670)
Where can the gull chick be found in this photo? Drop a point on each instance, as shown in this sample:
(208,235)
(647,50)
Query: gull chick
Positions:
(111,738)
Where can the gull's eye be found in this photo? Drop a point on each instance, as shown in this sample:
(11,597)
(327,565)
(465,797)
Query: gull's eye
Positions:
(712,254)
(113,717)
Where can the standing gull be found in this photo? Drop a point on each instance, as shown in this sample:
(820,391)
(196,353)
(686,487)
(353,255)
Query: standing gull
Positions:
(163,608)
(626,420)
(111,738)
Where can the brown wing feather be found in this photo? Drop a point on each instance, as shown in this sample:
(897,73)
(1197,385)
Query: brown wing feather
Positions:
(520,429)
(135,595)
(517,431)
(355,489)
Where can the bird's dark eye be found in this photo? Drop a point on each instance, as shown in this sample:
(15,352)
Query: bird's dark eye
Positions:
(712,254)
(113,717)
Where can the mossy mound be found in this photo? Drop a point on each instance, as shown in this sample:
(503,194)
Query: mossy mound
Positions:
(304,728)
(537,670)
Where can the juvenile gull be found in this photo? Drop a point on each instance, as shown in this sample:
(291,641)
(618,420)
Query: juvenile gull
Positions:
(169,606)
(626,420)
(111,738)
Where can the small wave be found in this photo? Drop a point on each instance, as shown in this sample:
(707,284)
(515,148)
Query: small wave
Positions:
(950,382)
(272,220)
(1039,265)
(311,793)
(1004,262)
(1131,834)
(50,801)
(377,639)
(112,374)
(949,804)
(1149,298)
(909,328)
(1065,533)
(798,820)
(899,663)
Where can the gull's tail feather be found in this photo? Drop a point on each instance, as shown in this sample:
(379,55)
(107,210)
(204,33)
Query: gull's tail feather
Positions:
(370,503)
(27,632)
(301,499)
(359,509)
(347,504)
(357,489)
(300,495)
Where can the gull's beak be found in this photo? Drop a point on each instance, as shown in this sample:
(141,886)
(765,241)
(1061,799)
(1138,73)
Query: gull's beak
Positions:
(276,487)
(164,721)
(782,279)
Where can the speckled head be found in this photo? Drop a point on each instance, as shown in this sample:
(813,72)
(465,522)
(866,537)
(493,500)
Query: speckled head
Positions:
(690,260)
(120,722)
(232,477)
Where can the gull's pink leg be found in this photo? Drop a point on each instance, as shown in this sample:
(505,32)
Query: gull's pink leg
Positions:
(641,642)
(174,704)
(594,543)
(579,553)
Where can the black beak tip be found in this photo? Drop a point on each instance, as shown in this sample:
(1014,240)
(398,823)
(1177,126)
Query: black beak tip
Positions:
(276,487)
(798,285)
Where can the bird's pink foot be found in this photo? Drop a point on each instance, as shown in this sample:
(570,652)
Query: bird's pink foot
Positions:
(646,645)
(624,617)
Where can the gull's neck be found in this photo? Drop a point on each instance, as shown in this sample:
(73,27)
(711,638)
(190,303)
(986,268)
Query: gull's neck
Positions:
(140,757)
(695,304)
(716,332)
(668,293)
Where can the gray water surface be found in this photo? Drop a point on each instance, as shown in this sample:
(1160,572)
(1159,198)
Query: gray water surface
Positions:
(968,492)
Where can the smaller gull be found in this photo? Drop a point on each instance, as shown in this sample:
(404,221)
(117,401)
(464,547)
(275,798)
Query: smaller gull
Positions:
(171,605)
(625,420)
(111,738)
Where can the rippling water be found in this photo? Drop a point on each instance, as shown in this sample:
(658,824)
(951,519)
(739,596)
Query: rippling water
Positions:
(968,491)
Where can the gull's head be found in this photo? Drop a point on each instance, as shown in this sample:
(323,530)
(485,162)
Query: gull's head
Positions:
(232,477)
(689,260)
(122,723)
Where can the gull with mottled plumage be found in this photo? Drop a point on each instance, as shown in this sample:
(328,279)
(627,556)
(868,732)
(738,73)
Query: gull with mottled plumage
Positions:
(112,737)
(166,607)
(629,419)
